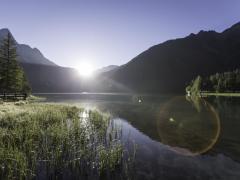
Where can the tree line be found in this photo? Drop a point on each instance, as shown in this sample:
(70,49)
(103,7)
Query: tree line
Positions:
(219,82)
(12,76)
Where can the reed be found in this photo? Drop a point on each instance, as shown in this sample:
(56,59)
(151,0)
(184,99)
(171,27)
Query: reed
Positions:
(55,141)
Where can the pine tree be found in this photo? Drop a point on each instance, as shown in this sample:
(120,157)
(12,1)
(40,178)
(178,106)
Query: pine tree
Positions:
(12,78)
(25,86)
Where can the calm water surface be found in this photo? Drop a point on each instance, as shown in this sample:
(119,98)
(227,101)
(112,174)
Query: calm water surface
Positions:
(176,137)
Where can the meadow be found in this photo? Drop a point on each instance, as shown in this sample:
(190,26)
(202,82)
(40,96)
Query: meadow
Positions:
(52,141)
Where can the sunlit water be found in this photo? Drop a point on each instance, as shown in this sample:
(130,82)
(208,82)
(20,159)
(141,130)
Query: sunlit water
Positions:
(176,137)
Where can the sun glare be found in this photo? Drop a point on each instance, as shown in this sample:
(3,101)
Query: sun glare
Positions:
(85,70)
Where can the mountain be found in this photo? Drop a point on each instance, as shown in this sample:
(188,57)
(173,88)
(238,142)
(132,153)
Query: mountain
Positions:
(106,69)
(42,74)
(26,54)
(164,68)
(57,79)
(52,79)
(169,66)
(32,55)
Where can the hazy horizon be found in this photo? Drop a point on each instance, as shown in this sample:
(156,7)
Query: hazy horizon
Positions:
(109,33)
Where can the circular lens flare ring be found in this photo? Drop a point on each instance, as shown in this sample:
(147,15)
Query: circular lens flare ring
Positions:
(174,128)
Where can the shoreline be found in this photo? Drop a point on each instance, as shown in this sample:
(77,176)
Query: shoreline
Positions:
(220,94)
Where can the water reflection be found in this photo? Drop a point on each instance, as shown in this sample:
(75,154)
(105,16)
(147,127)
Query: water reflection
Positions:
(166,129)
(155,160)
(190,127)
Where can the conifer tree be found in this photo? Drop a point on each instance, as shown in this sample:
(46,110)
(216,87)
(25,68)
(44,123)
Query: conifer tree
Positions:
(12,78)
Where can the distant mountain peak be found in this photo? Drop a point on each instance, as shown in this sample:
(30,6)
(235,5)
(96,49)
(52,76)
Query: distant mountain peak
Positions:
(204,32)
(26,54)
(4,30)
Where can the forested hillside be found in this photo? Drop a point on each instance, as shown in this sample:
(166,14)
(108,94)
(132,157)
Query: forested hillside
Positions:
(219,82)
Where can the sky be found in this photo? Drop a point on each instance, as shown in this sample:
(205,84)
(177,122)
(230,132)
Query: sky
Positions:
(109,32)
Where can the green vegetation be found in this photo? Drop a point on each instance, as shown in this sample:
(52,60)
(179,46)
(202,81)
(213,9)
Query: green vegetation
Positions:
(55,141)
(12,77)
(33,98)
(226,84)
(220,94)
(195,86)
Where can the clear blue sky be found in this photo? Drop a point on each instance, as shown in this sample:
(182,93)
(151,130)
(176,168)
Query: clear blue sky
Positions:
(106,32)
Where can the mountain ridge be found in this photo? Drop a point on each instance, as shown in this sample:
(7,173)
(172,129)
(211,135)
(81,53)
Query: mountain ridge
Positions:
(168,66)
(27,54)
(163,68)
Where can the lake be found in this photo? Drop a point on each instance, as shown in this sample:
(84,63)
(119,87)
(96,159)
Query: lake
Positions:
(175,137)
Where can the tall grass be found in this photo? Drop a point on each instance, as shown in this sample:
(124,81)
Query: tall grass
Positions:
(46,141)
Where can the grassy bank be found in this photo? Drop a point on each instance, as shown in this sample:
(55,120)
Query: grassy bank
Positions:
(220,94)
(47,141)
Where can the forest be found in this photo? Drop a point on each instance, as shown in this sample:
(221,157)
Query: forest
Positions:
(219,83)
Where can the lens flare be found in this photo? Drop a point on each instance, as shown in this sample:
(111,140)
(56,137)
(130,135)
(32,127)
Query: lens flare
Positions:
(189,128)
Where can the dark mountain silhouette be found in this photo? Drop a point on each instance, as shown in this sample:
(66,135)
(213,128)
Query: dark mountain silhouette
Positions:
(45,76)
(57,79)
(164,68)
(26,54)
(168,67)
(54,79)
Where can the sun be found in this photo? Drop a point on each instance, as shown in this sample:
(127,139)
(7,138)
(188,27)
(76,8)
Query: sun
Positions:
(85,69)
